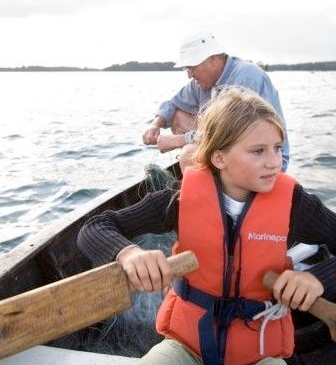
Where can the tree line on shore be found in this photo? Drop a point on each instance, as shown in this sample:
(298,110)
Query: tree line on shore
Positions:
(169,66)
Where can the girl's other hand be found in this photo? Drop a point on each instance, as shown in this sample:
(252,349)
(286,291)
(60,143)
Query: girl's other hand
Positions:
(297,289)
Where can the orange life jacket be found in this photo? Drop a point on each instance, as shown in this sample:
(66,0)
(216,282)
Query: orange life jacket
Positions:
(228,274)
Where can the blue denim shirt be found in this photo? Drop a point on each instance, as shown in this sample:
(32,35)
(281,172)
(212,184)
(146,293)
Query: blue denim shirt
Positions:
(236,72)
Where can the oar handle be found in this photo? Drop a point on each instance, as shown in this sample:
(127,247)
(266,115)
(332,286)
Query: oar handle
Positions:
(321,308)
(183,263)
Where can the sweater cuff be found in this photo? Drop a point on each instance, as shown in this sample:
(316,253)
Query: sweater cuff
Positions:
(124,250)
(325,272)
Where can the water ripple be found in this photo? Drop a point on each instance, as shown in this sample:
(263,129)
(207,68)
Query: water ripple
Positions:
(13,137)
(326,160)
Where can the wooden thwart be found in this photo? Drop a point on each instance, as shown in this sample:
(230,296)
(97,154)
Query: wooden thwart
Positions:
(68,305)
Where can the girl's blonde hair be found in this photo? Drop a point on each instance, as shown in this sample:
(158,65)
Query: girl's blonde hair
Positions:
(224,120)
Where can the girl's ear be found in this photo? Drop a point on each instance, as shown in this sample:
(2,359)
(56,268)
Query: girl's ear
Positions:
(218,159)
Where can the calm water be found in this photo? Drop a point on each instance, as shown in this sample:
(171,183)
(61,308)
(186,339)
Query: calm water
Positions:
(67,137)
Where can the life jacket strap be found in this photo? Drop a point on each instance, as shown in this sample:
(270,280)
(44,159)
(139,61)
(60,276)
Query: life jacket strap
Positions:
(223,310)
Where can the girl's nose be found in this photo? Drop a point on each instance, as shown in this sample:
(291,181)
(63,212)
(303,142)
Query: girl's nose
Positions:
(274,159)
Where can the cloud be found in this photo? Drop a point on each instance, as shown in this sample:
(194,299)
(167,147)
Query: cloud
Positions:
(287,37)
(26,8)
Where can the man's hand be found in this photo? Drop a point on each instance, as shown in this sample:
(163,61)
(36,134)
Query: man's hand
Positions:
(166,143)
(151,135)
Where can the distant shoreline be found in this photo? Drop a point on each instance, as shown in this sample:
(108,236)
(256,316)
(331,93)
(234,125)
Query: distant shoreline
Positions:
(169,66)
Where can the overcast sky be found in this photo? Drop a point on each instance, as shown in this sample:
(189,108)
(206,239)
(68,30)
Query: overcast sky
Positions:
(99,33)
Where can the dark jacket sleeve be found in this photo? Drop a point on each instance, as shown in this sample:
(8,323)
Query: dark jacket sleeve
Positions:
(104,235)
(313,223)
(326,273)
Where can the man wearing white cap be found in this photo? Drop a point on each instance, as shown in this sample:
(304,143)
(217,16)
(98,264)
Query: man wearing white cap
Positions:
(210,69)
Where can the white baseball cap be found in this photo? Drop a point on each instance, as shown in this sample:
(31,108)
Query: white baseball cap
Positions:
(197,48)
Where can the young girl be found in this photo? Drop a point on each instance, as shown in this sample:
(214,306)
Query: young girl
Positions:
(239,214)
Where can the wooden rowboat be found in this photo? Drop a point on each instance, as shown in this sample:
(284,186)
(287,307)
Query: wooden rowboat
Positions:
(52,255)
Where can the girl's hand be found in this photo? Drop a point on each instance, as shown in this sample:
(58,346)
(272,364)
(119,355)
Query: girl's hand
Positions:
(297,289)
(147,270)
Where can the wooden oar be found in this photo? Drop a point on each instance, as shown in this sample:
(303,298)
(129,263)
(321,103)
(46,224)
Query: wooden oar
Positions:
(60,308)
(321,308)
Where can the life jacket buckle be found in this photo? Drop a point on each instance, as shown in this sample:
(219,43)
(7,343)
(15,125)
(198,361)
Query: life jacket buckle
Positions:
(221,307)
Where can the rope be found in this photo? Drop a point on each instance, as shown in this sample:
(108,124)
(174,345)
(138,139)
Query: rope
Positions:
(271,313)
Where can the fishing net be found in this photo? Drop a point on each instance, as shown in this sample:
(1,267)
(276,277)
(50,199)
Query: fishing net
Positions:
(157,178)
(132,333)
